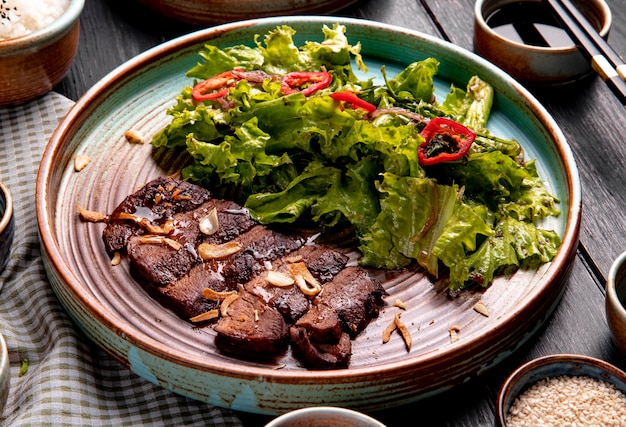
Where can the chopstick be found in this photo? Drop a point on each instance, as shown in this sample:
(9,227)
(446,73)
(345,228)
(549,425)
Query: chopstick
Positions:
(604,60)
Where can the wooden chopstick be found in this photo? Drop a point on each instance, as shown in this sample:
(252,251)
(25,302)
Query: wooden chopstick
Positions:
(604,60)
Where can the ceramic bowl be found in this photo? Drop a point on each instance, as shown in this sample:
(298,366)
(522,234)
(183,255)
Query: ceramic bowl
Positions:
(31,65)
(5,378)
(201,12)
(553,366)
(324,416)
(615,303)
(535,65)
(7,225)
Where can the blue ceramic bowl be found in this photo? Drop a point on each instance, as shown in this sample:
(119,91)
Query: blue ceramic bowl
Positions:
(554,366)
(7,225)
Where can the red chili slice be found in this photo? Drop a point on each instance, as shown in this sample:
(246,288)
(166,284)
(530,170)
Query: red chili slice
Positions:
(444,141)
(355,101)
(311,80)
(214,87)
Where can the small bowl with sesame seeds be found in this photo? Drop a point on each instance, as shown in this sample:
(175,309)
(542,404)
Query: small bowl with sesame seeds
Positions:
(563,389)
(38,42)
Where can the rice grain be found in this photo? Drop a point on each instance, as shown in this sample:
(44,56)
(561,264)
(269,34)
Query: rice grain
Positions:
(22,17)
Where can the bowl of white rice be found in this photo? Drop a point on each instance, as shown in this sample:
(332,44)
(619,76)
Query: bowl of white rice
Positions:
(563,390)
(38,42)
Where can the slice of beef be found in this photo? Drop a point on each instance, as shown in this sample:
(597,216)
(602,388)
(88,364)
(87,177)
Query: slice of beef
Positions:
(315,355)
(322,324)
(184,296)
(259,245)
(323,263)
(251,329)
(156,202)
(356,296)
(161,264)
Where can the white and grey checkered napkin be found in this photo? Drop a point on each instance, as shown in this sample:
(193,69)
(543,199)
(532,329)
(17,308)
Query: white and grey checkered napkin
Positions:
(69,381)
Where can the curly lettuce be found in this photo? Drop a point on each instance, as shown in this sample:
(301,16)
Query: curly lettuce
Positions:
(292,157)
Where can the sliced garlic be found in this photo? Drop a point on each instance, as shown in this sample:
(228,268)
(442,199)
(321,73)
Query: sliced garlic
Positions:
(213,295)
(209,224)
(226,303)
(160,240)
(481,308)
(80,162)
(212,251)
(208,315)
(117,258)
(304,279)
(166,228)
(279,279)
(134,137)
(91,216)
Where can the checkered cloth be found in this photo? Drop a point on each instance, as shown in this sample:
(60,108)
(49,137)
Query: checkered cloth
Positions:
(68,382)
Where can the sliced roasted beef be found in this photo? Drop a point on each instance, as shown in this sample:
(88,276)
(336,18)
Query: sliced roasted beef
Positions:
(184,296)
(322,262)
(316,355)
(356,296)
(159,228)
(322,324)
(155,203)
(258,245)
(159,263)
(251,329)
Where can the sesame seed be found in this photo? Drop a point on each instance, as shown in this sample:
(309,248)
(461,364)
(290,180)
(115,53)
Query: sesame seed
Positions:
(569,401)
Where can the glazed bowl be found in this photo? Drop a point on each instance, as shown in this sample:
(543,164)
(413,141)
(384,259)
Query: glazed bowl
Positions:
(32,64)
(5,378)
(575,376)
(556,63)
(615,303)
(117,314)
(202,12)
(324,416)
(7,225)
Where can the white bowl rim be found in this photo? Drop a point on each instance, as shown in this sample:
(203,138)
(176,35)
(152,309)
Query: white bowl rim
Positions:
(8,209)
(293,416)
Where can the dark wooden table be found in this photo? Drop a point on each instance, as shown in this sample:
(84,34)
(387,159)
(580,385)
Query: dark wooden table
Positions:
(593,121)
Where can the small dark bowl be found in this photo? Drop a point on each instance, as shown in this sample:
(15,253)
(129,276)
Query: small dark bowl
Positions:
(554,366)
(536,65)
(7,225)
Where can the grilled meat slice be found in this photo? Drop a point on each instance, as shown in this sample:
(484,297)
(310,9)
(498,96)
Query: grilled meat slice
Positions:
(322,324)
(322,262)
(158,263)
(159,228)
(356,296)
(320,355)
(258,245)
(154,203)
(251,329)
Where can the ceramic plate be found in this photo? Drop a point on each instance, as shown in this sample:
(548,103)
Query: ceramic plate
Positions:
(117,314)
(219,11)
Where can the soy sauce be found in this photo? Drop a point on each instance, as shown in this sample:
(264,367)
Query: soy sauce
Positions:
(530,23)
